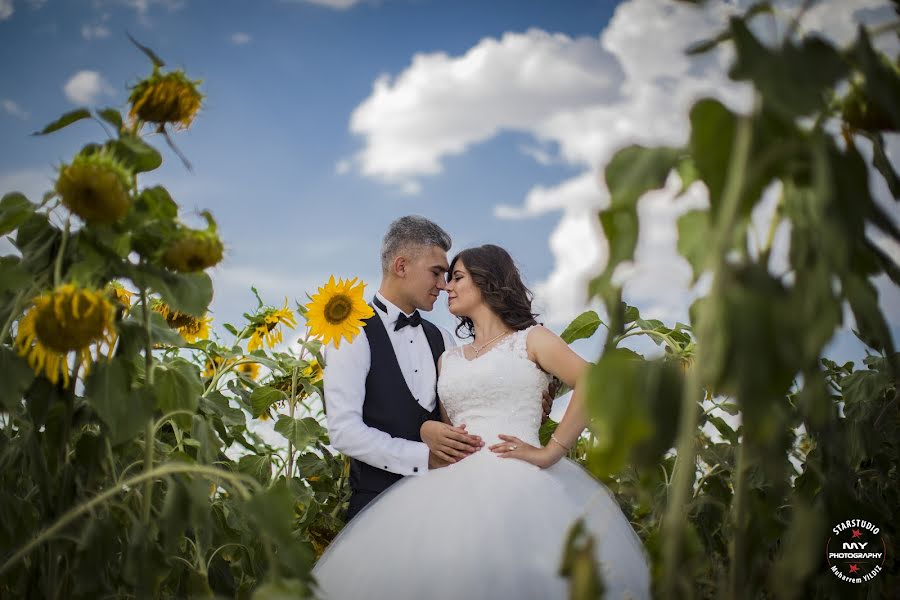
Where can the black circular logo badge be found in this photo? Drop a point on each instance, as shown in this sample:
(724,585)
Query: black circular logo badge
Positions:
(855,551)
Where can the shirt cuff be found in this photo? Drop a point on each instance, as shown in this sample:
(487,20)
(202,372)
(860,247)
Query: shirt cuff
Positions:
(416,459)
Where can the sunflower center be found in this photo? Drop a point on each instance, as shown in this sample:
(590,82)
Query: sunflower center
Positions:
(72,322)
(338,309)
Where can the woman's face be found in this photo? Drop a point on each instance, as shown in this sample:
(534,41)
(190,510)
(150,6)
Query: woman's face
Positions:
(462,293)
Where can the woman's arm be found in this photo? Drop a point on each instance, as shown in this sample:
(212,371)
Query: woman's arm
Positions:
(554,356)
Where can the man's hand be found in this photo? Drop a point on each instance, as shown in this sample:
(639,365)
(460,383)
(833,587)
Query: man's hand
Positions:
(547,399)
(448,443)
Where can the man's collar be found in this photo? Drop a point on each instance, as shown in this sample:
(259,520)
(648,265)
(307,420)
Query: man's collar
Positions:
(393,313)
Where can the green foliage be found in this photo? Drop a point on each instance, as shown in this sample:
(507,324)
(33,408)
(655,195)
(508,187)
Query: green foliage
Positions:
(142,477)
(734,467)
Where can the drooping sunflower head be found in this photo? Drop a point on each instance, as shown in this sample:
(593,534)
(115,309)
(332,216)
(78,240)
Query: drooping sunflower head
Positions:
(337,311)
(166,98)
(190,327)
(95,187)
(265,326)
(313,371)
(66,319)
(250,369)
(193,250)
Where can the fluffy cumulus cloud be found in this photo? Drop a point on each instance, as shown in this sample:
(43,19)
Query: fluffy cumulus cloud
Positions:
(441,105)
(6,9)
(586,98)
(87,87)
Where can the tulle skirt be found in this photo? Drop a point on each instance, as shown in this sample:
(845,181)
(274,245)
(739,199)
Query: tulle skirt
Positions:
(485,527)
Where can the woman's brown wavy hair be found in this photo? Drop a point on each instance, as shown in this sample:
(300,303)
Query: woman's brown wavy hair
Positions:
(497,277)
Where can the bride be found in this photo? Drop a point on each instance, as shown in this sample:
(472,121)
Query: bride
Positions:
(493,524)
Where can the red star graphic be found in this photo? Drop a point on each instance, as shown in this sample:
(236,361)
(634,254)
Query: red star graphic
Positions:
(853,569)
(856,534)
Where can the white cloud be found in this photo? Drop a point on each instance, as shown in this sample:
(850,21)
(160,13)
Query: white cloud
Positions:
(94,32)
(86,87)
(588,97)
(335,4)
(240,38)
(441,105)
(14,109)
(342,167)
(6,9)
(143,6)
(541,156)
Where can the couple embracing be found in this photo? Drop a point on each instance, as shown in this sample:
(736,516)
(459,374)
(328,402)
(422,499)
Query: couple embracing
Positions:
(453,495)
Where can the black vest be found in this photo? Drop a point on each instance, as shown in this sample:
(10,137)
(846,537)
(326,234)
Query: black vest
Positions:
(389,406)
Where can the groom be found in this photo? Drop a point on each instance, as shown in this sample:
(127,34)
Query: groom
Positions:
(381,388)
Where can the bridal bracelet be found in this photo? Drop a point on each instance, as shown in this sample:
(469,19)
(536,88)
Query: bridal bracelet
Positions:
(553,437)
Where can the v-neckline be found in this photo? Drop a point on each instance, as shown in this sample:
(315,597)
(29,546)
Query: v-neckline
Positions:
(463,349)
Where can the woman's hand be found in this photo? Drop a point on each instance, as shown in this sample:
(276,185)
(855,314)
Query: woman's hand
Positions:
(449,443)
(513,447)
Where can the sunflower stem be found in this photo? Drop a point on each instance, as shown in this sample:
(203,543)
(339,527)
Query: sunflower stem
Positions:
(291,402)
(57,267)
(686,451)
(149,428)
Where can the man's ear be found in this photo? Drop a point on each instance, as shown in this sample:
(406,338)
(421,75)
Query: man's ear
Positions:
(401,264)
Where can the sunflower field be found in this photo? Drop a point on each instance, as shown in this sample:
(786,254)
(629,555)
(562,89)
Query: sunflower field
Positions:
(118,408)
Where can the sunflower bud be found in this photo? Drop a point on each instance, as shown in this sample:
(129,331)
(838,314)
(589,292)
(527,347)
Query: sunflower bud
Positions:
(166,98)
(193,251)
(95,187)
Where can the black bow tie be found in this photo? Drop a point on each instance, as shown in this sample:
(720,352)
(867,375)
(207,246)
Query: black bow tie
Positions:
(413,321)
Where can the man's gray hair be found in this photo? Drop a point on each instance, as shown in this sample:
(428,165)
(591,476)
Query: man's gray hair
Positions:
(410,233)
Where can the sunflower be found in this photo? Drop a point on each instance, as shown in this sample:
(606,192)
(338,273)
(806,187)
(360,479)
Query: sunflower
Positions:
(95,187)
(313,371)
(119,293)
(266,326)
(338,310)
(250,369)
(216,363)
(212,364)
(190,327)
(166,98)
(193,250)
(66,319)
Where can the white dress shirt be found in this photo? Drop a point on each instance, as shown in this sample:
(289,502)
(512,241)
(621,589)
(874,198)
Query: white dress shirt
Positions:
(346,369)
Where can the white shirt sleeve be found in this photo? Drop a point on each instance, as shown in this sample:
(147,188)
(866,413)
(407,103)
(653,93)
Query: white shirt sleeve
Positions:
(346,369)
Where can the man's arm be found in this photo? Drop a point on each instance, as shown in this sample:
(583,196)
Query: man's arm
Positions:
(345,374)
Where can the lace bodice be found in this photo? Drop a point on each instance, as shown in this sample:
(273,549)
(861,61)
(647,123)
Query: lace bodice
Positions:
(498,392)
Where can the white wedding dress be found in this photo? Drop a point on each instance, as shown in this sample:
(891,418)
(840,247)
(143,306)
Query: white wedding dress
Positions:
(485,527)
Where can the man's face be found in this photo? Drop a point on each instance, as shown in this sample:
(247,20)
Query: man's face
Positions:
(425,276)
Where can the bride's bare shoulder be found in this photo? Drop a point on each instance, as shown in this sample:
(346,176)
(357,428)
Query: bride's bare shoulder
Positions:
(539,339)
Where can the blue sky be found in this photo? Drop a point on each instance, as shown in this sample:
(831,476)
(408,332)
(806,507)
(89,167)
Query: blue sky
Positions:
(326,120)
